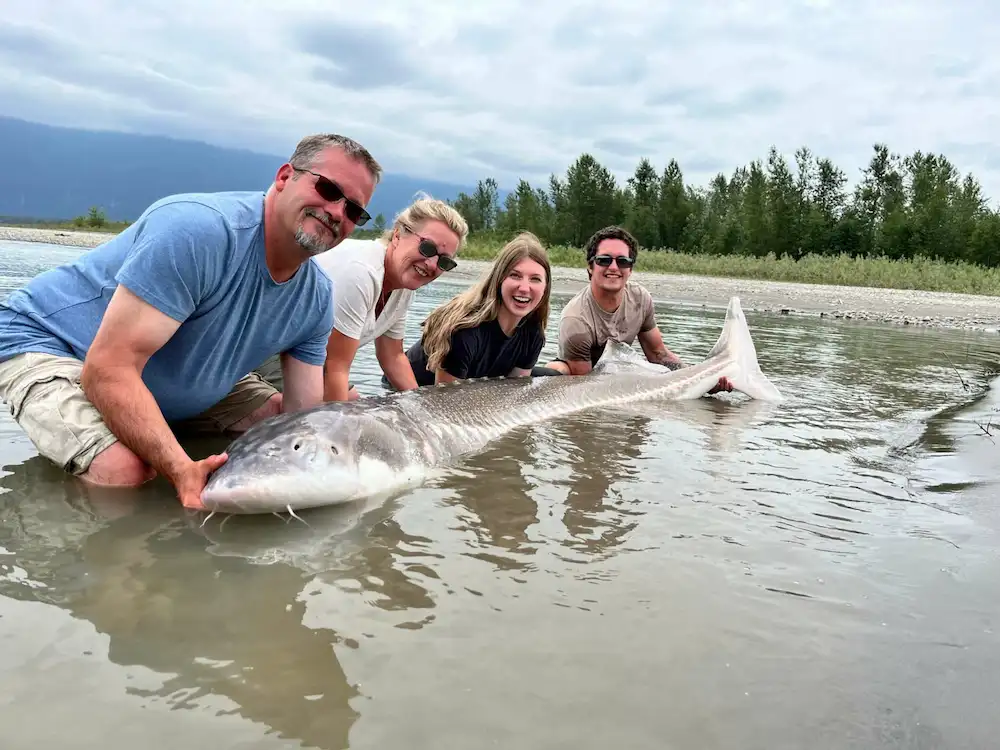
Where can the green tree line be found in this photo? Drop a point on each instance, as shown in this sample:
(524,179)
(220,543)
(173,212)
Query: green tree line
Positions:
(901,208)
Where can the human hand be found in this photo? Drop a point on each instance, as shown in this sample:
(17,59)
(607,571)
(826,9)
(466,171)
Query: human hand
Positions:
(192,480)
(722,385)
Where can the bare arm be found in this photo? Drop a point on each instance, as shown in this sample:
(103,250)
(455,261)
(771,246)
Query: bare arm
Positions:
(303,384)
(340,351)
(656,351)
(394,363)
(442,376)
(130,333)
(579,366)
(576,342)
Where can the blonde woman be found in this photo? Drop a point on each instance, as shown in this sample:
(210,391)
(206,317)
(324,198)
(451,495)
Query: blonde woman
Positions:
(373,286)
(495,328)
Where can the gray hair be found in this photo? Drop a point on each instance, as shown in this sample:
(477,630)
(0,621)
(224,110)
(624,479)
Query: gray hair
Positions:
(312,145)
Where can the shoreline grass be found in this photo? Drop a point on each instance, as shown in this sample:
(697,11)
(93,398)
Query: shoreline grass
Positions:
(919,274)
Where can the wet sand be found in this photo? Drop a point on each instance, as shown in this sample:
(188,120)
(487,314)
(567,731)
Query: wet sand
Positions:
(895,306)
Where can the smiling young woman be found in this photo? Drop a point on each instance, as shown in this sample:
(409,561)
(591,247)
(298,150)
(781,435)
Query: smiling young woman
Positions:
(493,329)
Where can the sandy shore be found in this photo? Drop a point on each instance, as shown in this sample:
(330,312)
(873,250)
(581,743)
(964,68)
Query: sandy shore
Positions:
(895,306)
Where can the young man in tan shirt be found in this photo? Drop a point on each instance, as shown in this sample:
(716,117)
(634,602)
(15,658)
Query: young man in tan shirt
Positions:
(611,308)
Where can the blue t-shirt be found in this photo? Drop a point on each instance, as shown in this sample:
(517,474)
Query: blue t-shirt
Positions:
(198,258)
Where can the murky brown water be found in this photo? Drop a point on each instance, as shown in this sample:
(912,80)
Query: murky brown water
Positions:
(700,575)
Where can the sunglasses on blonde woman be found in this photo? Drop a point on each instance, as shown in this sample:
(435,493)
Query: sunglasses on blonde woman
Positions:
(331,192)
(428,249)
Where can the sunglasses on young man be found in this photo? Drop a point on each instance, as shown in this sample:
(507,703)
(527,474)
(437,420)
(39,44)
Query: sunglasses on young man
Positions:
(331,192)
(604,261)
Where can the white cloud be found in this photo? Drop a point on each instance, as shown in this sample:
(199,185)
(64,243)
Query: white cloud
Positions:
(459,91)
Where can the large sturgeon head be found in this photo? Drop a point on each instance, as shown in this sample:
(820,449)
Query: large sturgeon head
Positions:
(332,453)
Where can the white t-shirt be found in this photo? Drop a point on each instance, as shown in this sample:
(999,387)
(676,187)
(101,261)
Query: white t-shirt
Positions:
(356,268)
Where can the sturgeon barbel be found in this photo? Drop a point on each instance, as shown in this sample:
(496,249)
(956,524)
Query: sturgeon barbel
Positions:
(340,451)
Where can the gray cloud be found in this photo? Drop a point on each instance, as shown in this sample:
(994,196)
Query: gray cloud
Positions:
(69,61)
(26,43)
(360,58)
(492,161)
(698,103)
(519,89)
(620,147)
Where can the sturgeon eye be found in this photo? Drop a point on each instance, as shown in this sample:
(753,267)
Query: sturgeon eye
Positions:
(295,447)
(334,449)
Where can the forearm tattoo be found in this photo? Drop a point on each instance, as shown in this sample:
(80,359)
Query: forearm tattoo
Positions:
(671,361)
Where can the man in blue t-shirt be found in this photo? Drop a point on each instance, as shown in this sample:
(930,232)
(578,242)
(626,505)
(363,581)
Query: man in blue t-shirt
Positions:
(162,324)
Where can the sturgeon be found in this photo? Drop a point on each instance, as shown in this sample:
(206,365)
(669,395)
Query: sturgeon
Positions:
(338,452)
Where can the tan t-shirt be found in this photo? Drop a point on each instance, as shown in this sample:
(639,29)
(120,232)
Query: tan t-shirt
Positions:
(585,327)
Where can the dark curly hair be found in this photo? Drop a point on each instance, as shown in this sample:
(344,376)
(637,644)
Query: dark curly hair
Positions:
(609,233)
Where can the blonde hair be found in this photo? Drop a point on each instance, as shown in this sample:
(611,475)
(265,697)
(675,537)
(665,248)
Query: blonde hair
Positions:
(481,302)
(425,209)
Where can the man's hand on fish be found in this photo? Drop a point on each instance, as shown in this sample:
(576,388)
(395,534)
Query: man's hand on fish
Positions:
(675,363)
(724,385)
(192,480)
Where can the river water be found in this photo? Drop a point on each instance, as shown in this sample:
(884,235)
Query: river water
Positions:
(713,574)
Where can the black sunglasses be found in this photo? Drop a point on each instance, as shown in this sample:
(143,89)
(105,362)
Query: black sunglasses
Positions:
(330,191)
(428,249)
(606,260)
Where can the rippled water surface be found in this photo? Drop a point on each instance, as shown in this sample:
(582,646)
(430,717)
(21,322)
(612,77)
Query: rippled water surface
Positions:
(713,574)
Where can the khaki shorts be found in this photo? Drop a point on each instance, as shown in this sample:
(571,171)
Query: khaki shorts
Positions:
(45,399)
(271,373)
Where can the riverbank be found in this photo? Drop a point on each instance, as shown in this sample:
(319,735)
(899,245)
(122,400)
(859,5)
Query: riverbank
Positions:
(894,306)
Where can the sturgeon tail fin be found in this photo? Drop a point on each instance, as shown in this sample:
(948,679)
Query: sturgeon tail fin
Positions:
(735,337)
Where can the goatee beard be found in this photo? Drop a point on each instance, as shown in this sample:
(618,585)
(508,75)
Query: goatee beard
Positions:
(315,244)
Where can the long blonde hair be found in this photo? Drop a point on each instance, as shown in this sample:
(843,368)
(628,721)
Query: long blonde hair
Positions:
(481,302)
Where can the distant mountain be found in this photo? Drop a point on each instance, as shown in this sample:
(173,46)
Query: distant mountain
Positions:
(49,172)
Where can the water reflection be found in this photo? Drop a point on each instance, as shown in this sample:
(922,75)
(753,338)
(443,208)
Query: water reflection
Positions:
(496,515)
(957,454)
(209,626)
(938,434)
(598,452)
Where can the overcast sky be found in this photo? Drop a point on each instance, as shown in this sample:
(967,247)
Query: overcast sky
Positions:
(512,88)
